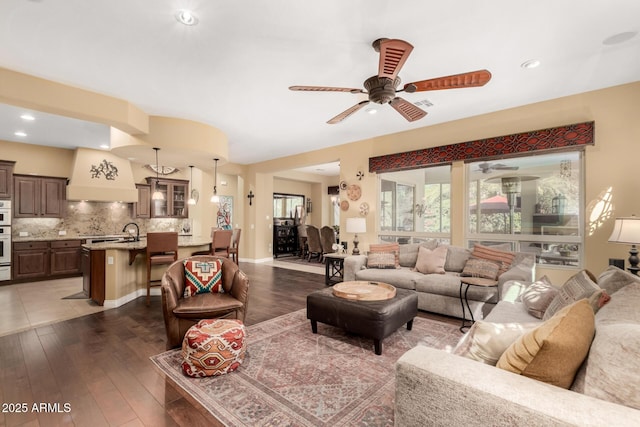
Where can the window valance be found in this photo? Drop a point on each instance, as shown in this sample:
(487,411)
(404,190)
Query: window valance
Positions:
(562,137)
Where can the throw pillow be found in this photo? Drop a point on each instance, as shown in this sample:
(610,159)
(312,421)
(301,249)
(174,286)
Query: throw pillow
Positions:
(553,351)
(456,258)
(580,285)
(385,248)
(431,261)
(202,277)
(503,258)
(537,297)
(486,341)
(476,267)
(598,299)
(613,279)
(381,260)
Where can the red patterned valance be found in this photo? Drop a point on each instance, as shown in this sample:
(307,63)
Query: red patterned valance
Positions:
(562,137)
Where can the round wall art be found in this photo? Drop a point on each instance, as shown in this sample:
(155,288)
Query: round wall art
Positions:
(344,205)
(354,192)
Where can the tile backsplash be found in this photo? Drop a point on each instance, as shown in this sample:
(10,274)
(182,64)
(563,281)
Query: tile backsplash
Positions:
(93,218)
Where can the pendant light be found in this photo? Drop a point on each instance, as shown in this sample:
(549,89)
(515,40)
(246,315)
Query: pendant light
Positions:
(157,195)
(192,200)
(214,197)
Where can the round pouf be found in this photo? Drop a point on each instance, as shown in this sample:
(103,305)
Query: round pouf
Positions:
(213,347)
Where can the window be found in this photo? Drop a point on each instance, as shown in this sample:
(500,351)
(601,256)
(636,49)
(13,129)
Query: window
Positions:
(415,205)
(288,205)
(533,203)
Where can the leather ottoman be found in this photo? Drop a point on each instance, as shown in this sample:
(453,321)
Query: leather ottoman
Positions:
(370,319)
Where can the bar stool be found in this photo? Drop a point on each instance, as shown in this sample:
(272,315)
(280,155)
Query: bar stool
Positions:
(162,248)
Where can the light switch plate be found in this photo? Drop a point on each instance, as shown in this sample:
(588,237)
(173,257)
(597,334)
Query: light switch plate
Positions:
(24,233)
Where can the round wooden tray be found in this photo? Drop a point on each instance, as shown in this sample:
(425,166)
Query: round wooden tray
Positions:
(364,291)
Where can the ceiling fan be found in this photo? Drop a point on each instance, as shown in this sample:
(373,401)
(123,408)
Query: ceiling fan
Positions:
(488,167)
(382,88)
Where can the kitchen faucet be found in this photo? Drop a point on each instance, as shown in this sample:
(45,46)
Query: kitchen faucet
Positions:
(137,230)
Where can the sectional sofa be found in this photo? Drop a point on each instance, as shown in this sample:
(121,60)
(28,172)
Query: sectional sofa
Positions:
(439,293)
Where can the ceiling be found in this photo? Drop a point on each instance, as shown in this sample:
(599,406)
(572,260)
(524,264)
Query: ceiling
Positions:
(232,70)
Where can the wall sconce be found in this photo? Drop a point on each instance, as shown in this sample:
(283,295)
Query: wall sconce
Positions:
(308,205)
(250,196)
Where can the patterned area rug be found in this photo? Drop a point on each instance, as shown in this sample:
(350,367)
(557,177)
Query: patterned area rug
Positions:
(292,377)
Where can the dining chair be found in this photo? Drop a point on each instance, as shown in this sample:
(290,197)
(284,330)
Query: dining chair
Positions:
(162,248)
(235,244)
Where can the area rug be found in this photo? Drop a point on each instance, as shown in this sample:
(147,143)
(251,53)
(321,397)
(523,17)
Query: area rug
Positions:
(292,377)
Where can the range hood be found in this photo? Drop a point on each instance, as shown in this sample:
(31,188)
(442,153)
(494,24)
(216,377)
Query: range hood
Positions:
(101,177)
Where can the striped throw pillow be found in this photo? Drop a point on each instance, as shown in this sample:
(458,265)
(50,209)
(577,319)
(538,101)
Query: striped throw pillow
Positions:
(503,258)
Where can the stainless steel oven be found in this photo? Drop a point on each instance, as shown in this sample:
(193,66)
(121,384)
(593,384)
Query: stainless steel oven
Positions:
(5,212)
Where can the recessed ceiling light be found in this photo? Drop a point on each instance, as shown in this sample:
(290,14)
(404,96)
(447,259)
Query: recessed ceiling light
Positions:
(27,117)
(104,146)
(371,110)
(619,38)
(186,17)
(20,133)
(532,63)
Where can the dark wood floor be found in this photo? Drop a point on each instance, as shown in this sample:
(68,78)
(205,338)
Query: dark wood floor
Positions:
(98,365)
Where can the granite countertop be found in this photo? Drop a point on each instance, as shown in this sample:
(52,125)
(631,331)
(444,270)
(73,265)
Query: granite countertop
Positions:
(183,242)
(70,237)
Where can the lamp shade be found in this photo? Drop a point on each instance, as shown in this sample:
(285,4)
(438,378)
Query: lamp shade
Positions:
(356,225)
(626,230)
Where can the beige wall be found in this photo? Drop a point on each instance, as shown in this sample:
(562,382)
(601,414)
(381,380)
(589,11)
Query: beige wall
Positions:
(610,163)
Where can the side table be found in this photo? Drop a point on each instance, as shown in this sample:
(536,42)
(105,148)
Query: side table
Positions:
(472,281)
(333,268)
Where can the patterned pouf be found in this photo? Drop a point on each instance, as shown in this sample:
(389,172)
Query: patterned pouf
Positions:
(213,347)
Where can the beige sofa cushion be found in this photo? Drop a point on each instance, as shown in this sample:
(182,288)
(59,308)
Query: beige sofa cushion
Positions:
(486,341)
(456,258)
(613,358)
(553,351)
(613,279)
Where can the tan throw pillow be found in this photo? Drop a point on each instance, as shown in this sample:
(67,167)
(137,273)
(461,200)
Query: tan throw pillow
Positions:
(485,342)
(503,258)
(537,297)
(580,285)
(476,267)
(381,260)
(387,247)
(553,351)
(431,261)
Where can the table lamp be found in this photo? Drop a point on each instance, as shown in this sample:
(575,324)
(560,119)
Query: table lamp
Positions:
(627,230)
(356,225)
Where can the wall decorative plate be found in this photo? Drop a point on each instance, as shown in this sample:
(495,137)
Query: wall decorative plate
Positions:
(364,209)
(344,205)
(354,192)
(343,185)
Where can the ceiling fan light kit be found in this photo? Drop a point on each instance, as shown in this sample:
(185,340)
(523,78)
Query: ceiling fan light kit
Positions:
(383,87)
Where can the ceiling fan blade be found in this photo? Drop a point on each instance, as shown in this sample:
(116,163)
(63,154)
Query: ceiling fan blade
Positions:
(326,89)
(393,54)
(346,113)
(407,109)
(457,81)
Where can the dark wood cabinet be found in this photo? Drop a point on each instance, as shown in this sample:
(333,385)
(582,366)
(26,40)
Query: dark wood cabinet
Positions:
(41,260)
(30,260)
(174,203)
(37,196)
(285,240)
(93,274)
(142,209)
(6,179)
(65,257)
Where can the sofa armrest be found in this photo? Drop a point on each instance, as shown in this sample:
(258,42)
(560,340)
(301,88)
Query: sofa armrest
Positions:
(434,387)
(523,271)
(352,264)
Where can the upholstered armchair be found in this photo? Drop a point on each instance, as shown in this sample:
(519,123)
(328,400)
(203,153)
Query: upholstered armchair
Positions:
(181,313)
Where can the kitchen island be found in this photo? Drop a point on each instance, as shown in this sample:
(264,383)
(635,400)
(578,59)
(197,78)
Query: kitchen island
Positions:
(115,273)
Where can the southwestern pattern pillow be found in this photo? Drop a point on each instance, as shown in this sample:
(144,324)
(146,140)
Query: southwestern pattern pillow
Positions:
(476,267)
(381,260)
(386,248)
(202,277)
(503,258)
